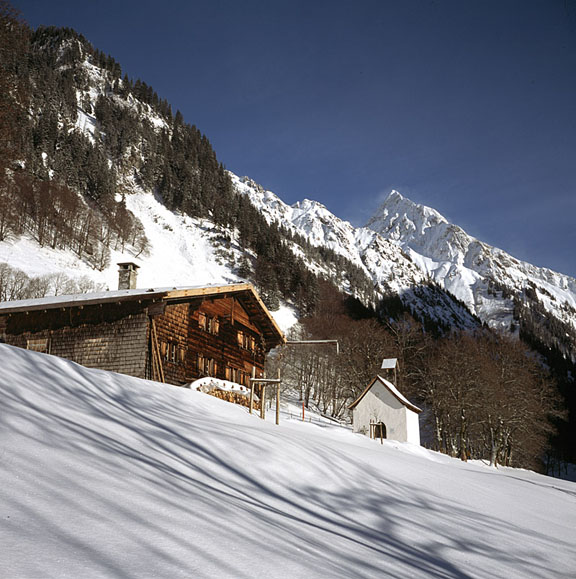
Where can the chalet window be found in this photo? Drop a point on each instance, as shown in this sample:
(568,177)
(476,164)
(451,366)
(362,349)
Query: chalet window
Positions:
(206,366)
(209,324)
(213,325)
(246,341)
(171,352)
(38,345)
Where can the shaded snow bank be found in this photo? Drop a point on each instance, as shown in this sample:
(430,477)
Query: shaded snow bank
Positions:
(102,475)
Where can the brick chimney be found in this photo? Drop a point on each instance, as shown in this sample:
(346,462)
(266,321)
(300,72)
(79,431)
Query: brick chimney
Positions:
(127,275)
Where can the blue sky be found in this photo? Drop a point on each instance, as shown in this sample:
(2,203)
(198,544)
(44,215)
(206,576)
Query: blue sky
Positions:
(467,106)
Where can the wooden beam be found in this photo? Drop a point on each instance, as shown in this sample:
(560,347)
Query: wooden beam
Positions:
(314,343)
(157,368)
(263,402)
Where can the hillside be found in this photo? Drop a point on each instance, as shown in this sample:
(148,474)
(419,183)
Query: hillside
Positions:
(104,475)
(100,170)
(120,168)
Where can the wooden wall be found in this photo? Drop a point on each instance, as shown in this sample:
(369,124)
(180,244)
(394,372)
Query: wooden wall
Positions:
(200,339)
(84,336)
(172,332)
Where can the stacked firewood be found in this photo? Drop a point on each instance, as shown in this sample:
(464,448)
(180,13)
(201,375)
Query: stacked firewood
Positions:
(234,397)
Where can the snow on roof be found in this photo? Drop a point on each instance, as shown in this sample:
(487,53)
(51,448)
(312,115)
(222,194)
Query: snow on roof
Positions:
(389,363)
(392,389)
(272,332)
(49,302)
(398,395)
(80,299)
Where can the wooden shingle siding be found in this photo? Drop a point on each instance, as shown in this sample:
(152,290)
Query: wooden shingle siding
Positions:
(118,345)
(172,331)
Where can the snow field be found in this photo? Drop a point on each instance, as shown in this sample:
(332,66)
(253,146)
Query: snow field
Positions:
(103,475)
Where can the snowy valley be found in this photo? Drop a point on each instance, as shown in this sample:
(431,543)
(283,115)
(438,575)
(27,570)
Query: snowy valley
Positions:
(137,156)
(106,475)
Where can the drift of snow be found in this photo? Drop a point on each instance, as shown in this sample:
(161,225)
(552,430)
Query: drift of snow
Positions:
(104,475)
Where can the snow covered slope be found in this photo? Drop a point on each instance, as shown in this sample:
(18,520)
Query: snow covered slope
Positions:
(102,475)
(183,251)
(485,278)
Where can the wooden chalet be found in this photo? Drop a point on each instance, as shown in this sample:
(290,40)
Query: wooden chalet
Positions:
(170,335)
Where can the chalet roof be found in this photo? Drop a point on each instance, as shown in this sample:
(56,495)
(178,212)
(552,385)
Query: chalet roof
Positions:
(244,292)
(392,389)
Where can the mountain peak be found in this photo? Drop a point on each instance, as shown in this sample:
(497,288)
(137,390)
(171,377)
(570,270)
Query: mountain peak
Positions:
(399,217)
(394,196)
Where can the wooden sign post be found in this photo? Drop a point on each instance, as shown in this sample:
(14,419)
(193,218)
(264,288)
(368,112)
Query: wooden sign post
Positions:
(265,381)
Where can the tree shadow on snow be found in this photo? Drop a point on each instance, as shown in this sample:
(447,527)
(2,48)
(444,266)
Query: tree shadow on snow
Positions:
(157,471)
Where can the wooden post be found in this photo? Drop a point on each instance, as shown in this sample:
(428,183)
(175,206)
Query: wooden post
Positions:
(278,399)
(303,407)
(252,384)
(263,402)
(263,382)
(381,433)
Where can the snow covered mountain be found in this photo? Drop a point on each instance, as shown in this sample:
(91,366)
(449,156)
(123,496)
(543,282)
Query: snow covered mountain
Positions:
(497,287)
(166,175)
(411,251)
(391,270)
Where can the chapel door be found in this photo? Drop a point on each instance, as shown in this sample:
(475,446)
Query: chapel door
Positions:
(379,430)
